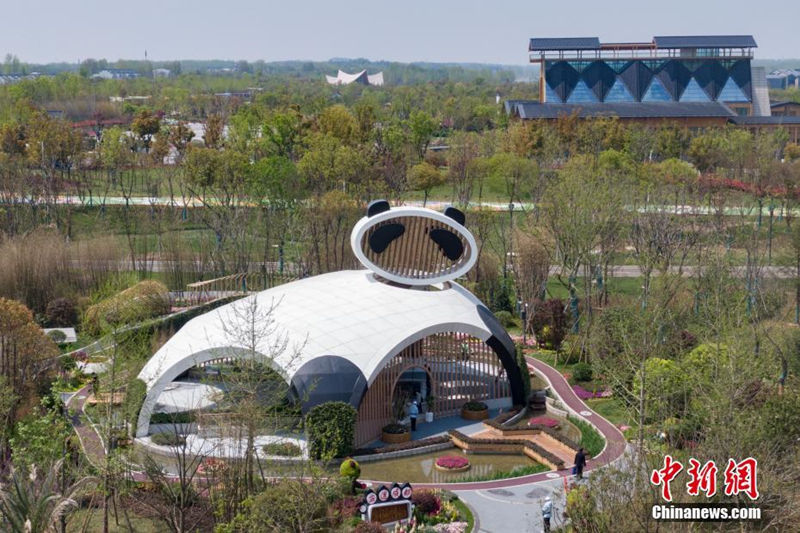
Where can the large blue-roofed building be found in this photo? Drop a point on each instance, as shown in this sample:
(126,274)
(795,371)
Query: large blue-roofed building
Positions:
(668,69)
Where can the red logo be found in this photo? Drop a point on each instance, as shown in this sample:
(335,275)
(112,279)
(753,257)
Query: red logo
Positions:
(704,479)
(665,475)
(741,477)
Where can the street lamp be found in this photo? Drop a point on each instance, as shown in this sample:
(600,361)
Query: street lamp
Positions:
(525,325)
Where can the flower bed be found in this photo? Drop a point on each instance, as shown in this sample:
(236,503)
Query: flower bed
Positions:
(452,463)
(544,421)
(584,394)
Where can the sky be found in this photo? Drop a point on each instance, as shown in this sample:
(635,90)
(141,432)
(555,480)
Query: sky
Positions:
(41,31)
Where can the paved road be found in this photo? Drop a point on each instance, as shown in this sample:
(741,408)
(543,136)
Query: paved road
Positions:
(616,271)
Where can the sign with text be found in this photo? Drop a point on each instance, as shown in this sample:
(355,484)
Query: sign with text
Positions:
(388,505)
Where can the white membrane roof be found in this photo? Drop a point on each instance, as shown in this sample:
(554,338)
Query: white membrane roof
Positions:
(348,314)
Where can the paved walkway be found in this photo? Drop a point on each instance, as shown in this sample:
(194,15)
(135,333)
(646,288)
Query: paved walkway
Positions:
(91,442)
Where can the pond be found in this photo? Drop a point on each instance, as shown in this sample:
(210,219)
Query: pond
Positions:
(420,469)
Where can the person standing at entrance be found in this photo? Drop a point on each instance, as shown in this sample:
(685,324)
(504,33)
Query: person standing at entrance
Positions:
(580,462)
(413,412)
(547,512)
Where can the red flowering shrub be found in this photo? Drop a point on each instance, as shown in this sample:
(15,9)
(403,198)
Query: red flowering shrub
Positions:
(452,462)
(343,509)
(426,501)
(545,421)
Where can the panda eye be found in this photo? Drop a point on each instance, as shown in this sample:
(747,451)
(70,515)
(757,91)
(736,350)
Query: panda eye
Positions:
(383,236)
(449,243)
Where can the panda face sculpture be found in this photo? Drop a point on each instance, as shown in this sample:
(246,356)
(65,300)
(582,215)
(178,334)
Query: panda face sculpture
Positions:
(413,245)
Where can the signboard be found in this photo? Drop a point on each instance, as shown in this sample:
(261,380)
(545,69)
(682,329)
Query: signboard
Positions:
(388,505)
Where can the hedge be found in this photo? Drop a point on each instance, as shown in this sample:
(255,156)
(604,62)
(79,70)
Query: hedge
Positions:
(331,430)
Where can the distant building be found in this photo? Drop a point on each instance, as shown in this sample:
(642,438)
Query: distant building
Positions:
(162,73)
(785,109)
(784,79)
(343,78)
(115,74)
(133,99)
(8,79)
(693,81)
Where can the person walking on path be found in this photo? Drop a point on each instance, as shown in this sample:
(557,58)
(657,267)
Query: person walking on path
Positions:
(580,462)
(547,512)
(413,412)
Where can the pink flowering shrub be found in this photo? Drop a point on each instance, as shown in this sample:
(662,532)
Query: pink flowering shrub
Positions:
(545,421)
(452,461)
(584,394)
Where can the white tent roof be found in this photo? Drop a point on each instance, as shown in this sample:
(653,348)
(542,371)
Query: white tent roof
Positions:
(348,314)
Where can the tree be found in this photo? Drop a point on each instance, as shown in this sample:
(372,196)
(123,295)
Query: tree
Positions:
(214,126)
(422,127)
(145,125)
(425,177)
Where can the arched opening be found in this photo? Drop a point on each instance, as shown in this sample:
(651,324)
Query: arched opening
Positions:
(457,368)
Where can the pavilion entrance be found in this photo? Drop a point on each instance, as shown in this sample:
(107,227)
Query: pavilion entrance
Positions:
(442,371)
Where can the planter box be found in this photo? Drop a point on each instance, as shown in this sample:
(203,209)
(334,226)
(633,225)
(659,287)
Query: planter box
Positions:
(474,415)
(395,438)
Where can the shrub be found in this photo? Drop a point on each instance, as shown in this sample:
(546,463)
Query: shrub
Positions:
(582,372)
(331,429)
(168,438)
(57,336)
(524,371)
(394,429)
(506,319)
(282,449)
(61,312)
(287,505)
(570,349)
(350,469)
(135,393)
(549,323)
(426,502)
(475,406)
(146,299)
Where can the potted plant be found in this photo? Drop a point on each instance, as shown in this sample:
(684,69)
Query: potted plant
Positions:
(473,410)
(395,434)
(429,403)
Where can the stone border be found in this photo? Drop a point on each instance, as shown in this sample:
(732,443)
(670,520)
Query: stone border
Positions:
(371,458)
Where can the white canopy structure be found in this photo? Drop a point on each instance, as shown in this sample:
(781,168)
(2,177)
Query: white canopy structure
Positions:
(343,78)
(339,330)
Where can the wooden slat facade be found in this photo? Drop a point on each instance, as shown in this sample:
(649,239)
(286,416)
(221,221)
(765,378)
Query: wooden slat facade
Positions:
(460,368)
(414,254)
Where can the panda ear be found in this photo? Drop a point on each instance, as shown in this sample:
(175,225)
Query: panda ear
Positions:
(455,214)
(377,206)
